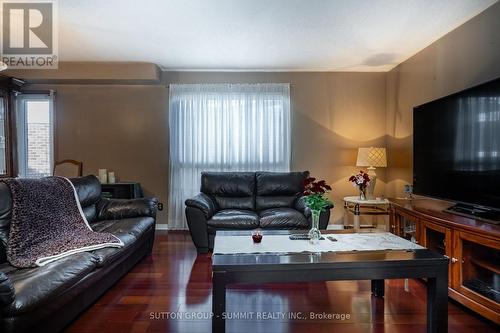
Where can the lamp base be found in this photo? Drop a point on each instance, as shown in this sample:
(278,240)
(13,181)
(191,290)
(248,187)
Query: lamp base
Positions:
(373,180)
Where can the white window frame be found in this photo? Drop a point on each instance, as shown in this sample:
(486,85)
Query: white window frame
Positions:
(22,128)
(199,118)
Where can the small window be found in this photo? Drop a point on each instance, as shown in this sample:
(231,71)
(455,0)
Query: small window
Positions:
(3,135)
(35,135)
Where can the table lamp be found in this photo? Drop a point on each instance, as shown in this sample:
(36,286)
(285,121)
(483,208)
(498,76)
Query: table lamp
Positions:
(373,157)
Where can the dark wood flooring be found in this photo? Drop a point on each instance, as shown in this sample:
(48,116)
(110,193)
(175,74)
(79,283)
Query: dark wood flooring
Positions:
(174,281)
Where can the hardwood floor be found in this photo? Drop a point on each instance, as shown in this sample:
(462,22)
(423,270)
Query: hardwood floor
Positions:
(170,291)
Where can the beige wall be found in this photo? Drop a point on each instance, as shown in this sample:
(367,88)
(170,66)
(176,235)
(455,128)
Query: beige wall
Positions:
(465,57)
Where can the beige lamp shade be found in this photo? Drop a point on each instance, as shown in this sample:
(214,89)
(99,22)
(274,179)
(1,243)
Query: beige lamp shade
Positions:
(372,157)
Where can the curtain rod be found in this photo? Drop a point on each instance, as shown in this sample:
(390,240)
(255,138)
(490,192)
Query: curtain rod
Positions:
(225,83)
(49,92)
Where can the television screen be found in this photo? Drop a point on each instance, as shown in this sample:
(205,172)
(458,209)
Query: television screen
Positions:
(456,147)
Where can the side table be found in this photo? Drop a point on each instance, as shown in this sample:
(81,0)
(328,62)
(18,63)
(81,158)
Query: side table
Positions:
(372,207)
(122,190)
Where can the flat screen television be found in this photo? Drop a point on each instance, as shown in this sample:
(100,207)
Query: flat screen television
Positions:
(456,150)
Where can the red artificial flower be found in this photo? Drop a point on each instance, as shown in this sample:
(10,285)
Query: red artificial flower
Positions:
(313,187)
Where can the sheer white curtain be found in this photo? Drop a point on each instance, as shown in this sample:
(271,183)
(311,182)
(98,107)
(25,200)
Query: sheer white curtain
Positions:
(224,127)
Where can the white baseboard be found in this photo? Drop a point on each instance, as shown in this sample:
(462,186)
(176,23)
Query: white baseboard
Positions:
(334,226)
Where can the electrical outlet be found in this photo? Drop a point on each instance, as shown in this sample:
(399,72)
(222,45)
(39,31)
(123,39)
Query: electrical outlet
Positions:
(160,206)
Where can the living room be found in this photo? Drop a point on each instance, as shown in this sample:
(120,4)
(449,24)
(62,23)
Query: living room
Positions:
(186,127)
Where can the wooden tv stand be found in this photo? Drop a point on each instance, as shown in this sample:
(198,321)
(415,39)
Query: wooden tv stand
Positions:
(473,247)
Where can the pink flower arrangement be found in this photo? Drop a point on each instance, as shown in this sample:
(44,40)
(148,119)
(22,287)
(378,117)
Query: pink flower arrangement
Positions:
(361,180)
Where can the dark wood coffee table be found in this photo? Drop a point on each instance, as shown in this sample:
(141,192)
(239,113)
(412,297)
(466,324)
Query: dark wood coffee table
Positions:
(308,267)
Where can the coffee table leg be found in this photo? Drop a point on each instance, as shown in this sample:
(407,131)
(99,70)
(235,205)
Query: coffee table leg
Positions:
(437,302)
(378,288)
(218,302)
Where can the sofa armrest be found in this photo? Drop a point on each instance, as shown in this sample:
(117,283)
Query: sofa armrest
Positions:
(324,217)
(115,209)
(7,292)
(329,206)
(300,205)
(204,203)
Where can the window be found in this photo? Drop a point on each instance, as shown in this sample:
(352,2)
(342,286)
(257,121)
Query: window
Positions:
(224,127)
(3,135)
(35,129)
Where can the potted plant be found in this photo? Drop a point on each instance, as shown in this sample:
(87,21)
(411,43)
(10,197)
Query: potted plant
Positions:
(360,180)
(315,198)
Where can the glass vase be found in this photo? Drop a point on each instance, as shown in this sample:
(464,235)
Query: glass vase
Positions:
(314,233)
(362,193)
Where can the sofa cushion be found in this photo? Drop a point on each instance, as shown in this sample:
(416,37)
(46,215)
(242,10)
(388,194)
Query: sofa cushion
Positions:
(234,219)
(278,189)
(127,230)
(114,228)
(100,226)
(136,226)
(230,190)
(282,218)
(109,254)
(36,286)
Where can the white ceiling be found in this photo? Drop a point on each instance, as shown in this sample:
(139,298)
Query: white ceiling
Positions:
(315,35)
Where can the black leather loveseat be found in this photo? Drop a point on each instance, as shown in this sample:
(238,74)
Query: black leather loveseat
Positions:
(248,200)
(46,299)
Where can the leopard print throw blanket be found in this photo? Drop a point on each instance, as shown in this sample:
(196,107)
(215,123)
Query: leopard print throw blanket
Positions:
(48,223)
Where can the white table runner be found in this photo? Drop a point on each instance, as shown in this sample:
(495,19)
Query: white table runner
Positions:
(283,244)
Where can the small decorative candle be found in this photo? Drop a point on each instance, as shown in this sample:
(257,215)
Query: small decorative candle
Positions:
(257,236)
(103,176)
(111,177)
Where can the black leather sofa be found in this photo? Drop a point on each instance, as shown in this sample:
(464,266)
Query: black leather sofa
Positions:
(46,299)
(245,201)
